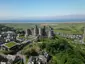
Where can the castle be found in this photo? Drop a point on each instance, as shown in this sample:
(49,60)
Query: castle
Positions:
(40,31)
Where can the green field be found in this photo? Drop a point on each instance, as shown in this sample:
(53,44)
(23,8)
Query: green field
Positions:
(70,28)
(20,25)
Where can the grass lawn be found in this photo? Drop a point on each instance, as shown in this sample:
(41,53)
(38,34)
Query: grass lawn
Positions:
(10,44)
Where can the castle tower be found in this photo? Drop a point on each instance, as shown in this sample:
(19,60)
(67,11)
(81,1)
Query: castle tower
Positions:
(50,33)
(44,31)
(36,31)
(40,32)
(27,32)
(32,31)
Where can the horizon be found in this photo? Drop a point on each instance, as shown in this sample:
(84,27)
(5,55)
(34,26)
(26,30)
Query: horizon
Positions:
(44,21)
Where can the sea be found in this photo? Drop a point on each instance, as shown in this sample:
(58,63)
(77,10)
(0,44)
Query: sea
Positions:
(42,21)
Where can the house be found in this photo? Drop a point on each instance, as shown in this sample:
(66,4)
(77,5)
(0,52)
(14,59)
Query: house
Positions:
(10,59)
(9,36)
(18,59)
(7,46)
(3,47)
(3,59)
(37,60)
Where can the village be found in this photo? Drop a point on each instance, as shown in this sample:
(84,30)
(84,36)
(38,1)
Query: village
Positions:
(10,41)
(79,38)
(13,42)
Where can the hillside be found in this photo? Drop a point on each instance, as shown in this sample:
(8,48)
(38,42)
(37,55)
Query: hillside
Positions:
(60,50)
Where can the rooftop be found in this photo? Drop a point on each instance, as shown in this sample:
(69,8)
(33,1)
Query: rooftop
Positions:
(10,44)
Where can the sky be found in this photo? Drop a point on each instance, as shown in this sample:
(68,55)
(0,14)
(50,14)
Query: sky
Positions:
(24,9)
